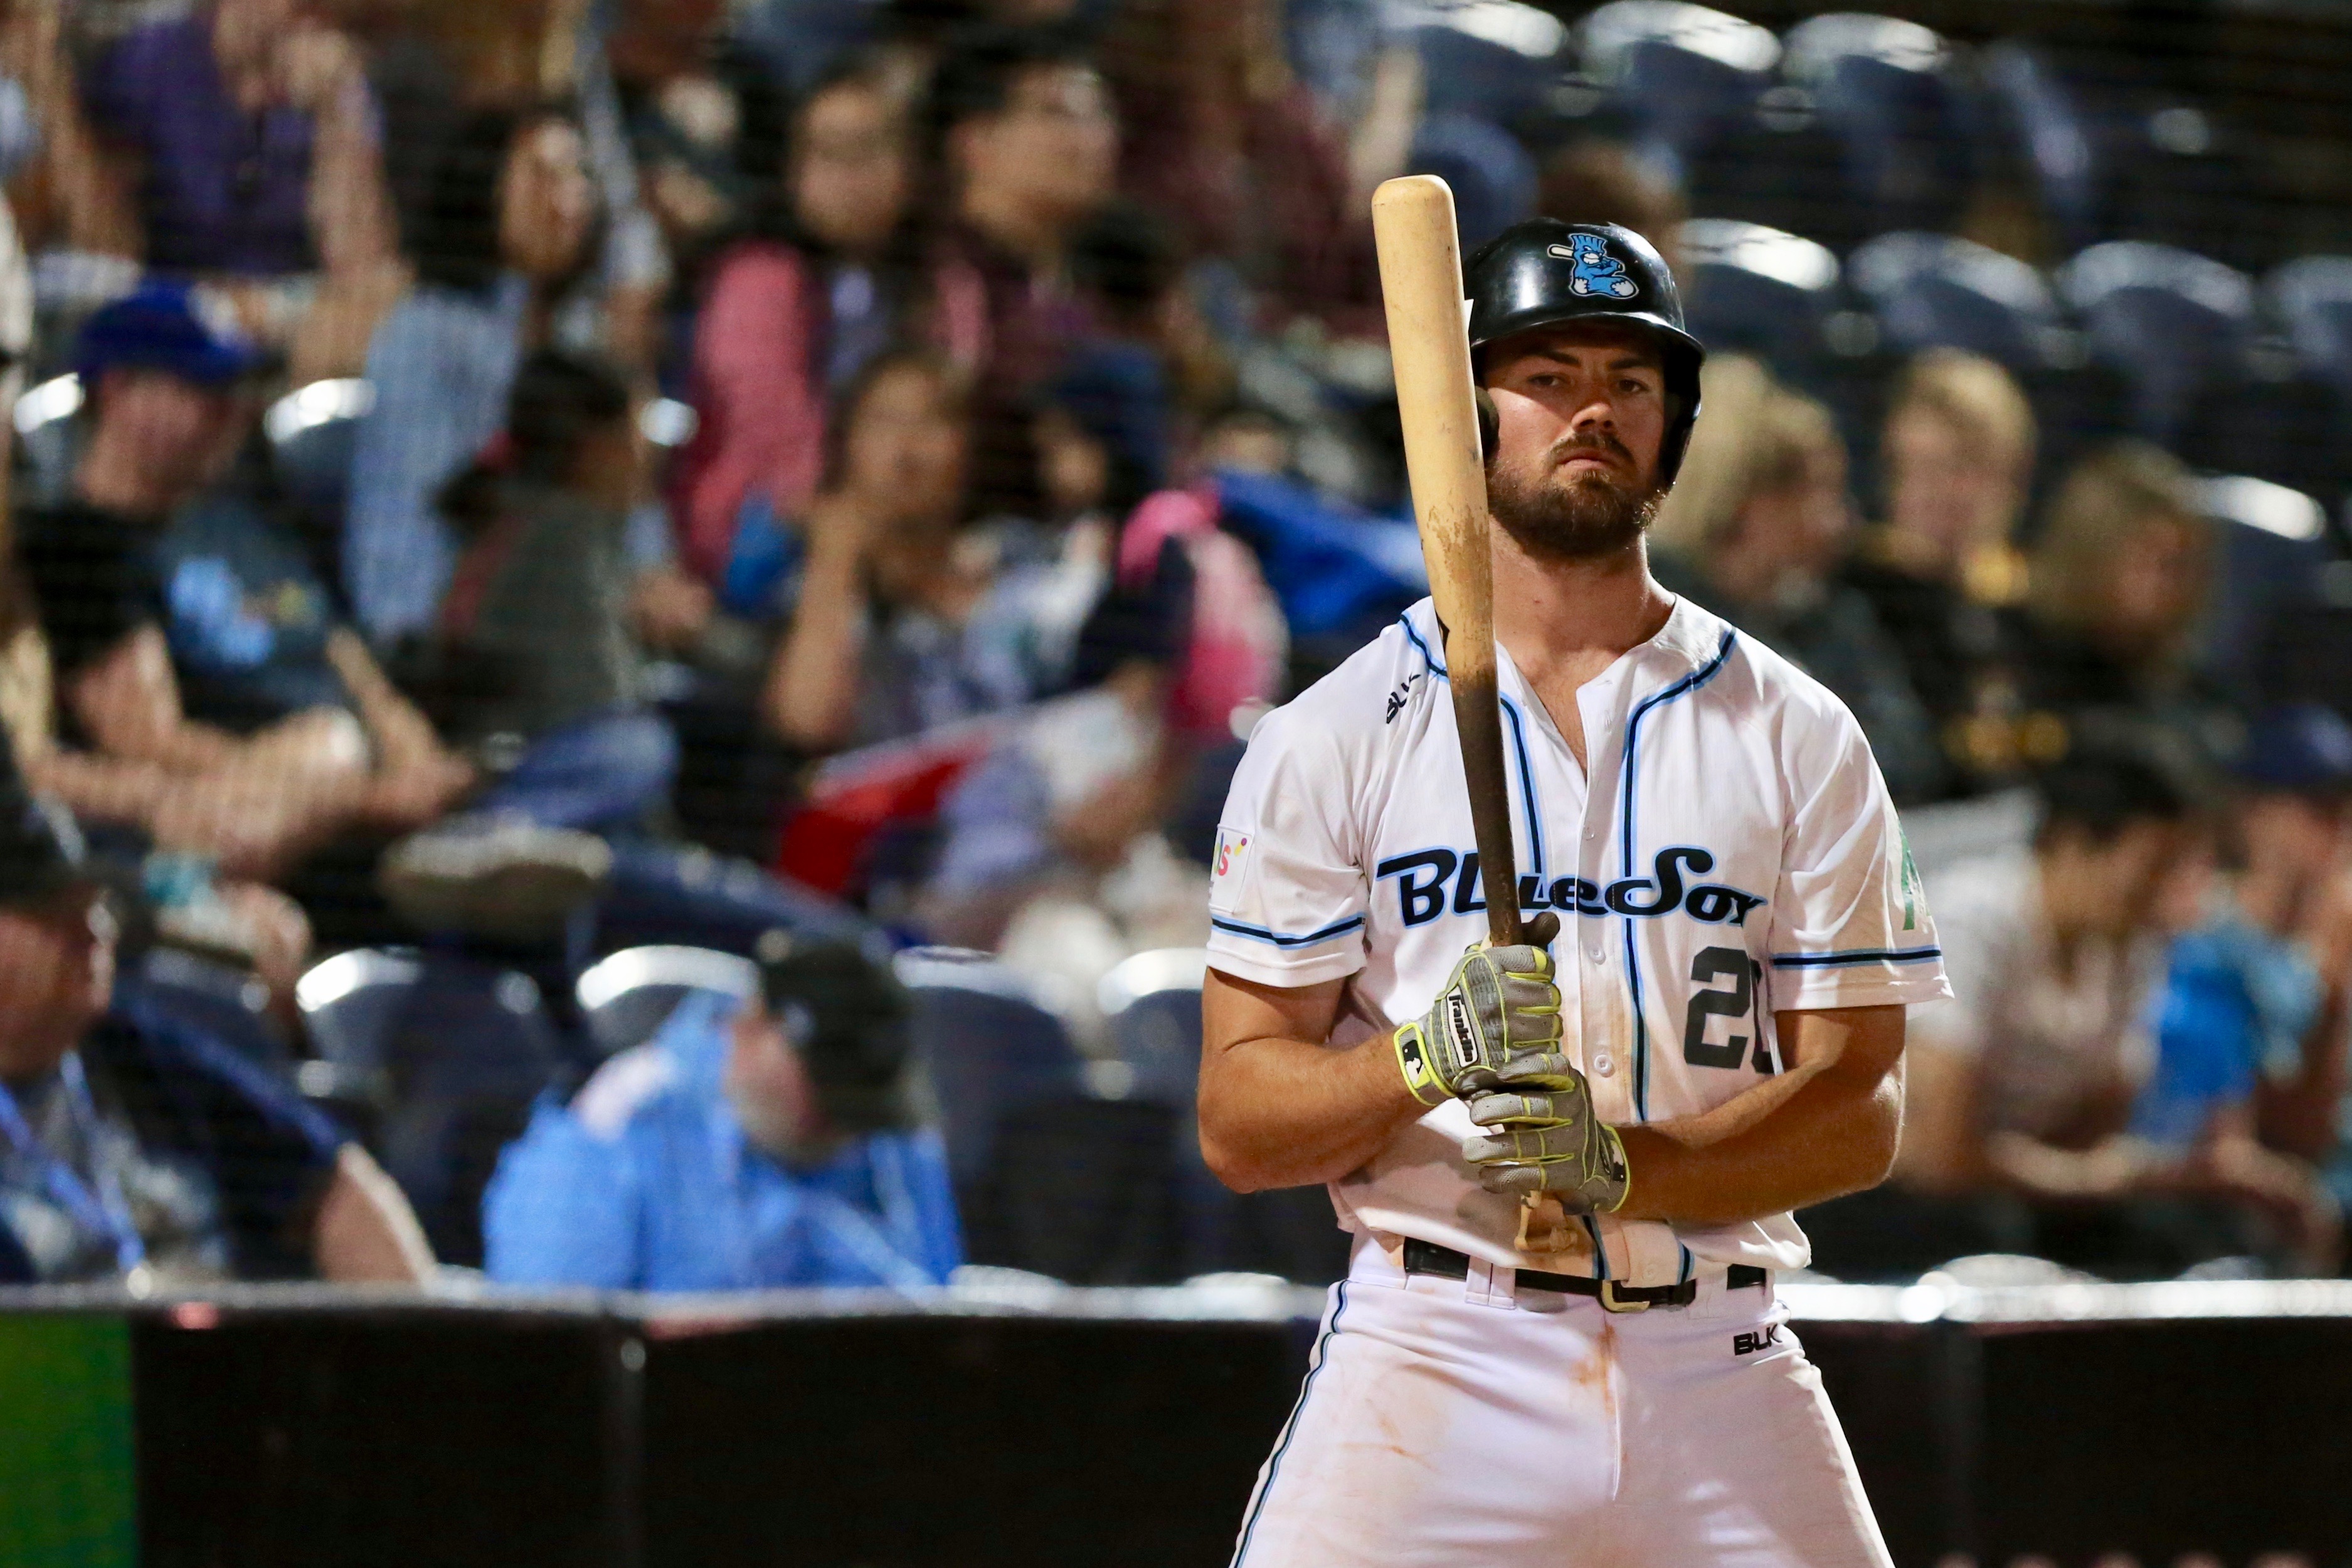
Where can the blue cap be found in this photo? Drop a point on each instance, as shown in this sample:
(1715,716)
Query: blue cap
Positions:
(2305,746)
(162,326)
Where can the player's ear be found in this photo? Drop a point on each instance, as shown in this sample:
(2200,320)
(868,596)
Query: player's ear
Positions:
(1489,422)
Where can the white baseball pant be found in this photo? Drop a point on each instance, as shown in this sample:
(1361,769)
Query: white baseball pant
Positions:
(1445,1423)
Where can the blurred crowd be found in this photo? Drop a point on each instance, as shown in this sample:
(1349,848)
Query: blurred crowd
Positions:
(624,622)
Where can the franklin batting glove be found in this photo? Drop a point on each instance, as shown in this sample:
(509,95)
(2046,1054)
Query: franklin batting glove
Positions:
(1498,1019)
(1549,1141)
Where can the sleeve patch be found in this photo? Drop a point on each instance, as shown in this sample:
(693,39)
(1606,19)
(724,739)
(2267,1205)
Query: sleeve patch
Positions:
(1226,870)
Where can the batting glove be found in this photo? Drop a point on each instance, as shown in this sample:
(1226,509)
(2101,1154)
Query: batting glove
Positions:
(1549,1141)
(1496,1020)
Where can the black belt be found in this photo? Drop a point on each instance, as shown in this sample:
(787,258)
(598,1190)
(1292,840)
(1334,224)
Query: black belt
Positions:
(1428,1258)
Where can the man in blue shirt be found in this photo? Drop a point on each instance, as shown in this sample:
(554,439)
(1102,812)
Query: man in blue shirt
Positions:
(2250,1067)
(133,1143)
(768,1144)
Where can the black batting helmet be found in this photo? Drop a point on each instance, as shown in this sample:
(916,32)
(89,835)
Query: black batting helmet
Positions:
(1544,272)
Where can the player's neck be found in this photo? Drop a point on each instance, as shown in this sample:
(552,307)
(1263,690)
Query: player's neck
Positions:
(1574,617)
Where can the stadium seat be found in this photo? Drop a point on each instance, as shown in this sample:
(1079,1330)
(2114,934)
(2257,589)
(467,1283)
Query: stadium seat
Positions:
(1682,76)
(1087,1191)
(2266,566)
(1933,290)
(1152,1004)
(350,1004)
(461,1049)
(987,1045)
(2311,299)
(1013,1104)
(625,997)
(1888,90)
(2173,323)
(1487,168)
(312,430)
(1758,291)
(1489,59)
(2050,134)
(50,438)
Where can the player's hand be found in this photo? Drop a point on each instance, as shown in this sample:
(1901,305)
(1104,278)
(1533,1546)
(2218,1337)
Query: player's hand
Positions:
(1496,1020)
(1549,1141)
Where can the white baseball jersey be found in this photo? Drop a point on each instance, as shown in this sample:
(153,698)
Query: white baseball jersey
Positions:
(1730,853)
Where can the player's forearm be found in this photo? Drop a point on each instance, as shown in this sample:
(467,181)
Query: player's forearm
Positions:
(1828,1127)
(1829,1138)
(1283,1114)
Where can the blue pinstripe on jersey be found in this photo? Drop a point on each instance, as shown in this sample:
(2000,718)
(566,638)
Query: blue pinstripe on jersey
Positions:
(1259,933)
(1856,955)
(1290,1428)
(1683,687)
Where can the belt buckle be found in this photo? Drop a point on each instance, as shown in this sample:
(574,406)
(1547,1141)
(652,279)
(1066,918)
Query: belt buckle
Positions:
(1613,1302)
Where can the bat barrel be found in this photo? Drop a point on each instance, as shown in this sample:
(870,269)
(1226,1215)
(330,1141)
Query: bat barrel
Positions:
(1421,282)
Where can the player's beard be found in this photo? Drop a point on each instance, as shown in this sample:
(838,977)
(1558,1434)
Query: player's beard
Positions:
(1558,517)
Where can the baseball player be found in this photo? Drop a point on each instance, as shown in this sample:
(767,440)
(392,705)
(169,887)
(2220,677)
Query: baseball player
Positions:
(1701,1033)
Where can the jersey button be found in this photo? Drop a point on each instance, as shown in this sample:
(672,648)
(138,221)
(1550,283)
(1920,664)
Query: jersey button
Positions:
(1594,952)
(1604,1064)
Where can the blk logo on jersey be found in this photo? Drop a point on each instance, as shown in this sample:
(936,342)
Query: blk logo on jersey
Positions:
(1428,880)
(1597,271)
(1749,1343)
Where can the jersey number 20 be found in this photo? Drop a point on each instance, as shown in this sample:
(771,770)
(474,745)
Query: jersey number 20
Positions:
(1712,964)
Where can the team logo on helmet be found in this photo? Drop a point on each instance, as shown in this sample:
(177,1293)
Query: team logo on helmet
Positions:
(1597,271)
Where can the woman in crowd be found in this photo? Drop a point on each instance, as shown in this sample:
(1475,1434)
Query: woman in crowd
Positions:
(905,618)
(507,229)
(1754,531)
(1955,459)
(2117,587)
(828,278)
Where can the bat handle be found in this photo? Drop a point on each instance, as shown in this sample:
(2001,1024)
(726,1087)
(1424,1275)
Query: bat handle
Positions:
(1543,1224)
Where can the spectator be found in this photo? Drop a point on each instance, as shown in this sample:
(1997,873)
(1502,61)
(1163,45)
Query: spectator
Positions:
(904,619)
(832,275)
(1057,851)
(1125,271)
(130,1143)
(2253,1032)
(1770,482)
(2117,584)
(166,412)
(508,228)
(1225,141)
(1955,458)
(1029,147)
(239,141)
(533,638)
(297,799)
(702,120)
(2020,1094)
(776,1143)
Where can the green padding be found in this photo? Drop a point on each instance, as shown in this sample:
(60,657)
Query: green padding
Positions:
(67,1496)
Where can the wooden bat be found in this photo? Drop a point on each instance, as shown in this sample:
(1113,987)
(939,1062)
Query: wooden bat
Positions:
(1421,282)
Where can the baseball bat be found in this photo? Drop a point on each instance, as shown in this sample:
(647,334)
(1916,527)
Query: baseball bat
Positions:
(1429,342)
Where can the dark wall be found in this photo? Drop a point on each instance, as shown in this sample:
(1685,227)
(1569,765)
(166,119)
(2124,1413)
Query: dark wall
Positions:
(450,1437)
